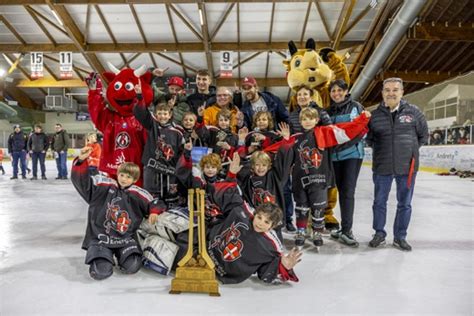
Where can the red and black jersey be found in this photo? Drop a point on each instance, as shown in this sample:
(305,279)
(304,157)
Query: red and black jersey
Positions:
(164,144)
(238,251)
(124,137)
(212,135)
(257,190)
(271,137)
(308,150)
(114,213)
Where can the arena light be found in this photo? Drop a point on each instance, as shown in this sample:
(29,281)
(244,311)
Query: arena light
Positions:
(200,17)
(57,17)
(2,72)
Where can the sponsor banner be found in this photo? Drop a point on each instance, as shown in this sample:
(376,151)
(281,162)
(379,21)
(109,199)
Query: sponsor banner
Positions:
(441,157)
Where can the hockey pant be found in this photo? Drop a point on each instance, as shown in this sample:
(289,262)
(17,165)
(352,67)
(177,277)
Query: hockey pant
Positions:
(101,260)
(311,200)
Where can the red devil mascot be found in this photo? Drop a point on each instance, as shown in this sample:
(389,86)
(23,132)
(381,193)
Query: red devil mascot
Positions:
(124,136)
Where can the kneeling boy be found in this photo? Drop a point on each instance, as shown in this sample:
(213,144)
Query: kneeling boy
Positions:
(116,210)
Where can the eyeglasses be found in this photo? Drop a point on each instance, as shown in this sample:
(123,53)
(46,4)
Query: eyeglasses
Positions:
(222,95)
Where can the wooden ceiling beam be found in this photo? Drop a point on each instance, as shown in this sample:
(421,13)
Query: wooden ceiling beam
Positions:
(270,40)
(21,97)
(342,22)
(205,37)
(137,22)
(431,31)
(53,24)
(323,19)
(175,37)
(51,82)
(186,21)
(356,20)
(12,29)
(221,22)
(154,47)
(111,2)
(38,22)
(305,23)
(77,37)
(418,76)
(177,62)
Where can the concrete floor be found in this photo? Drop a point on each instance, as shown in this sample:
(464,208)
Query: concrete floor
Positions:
(42,266)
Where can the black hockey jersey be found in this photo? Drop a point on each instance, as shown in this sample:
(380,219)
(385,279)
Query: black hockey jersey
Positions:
(238,251)
(114,214)
(164,144)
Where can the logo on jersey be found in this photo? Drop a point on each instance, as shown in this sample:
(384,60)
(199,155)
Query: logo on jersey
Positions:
(310,158)
(261,196)
(228,242)
(163,150)
(122,140)
(116,219)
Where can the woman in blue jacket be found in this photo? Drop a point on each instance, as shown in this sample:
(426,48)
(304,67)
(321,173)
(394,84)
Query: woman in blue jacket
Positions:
(347,158)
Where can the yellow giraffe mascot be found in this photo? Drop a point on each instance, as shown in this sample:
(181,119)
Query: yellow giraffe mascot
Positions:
(316,70)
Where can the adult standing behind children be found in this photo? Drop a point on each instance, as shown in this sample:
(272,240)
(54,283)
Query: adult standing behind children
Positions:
(396,132)
(17,149)
(256,101)
(200,97)
(224,101)
(59,145)
(38,144)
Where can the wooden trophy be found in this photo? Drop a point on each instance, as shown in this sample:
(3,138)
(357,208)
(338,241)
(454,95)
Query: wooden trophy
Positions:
(196,273)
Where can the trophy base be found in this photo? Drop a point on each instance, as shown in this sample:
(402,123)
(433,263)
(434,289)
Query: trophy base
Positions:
(196,280)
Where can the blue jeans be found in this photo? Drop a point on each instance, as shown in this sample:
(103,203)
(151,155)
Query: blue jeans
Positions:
(383,184)
(35,156)
(61,164)
(21,156)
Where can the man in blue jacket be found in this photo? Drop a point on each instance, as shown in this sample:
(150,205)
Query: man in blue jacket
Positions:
(396,132)
(17,149)
(255,101)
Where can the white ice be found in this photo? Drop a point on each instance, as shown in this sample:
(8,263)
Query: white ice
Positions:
(43,272)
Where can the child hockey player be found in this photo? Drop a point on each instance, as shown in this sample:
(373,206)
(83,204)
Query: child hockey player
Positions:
(311,167)
(93,151)
(244,244)
(263,134)
(116,210)
(163,148)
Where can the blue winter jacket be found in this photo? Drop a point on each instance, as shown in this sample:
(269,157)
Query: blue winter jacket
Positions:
(274,106)
(347,111)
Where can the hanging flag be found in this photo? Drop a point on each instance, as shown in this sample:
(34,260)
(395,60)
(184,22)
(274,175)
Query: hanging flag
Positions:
(65,65)
(36,63)
(226,64)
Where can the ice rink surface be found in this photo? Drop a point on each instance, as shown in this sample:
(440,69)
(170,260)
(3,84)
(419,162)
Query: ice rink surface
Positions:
(42,266)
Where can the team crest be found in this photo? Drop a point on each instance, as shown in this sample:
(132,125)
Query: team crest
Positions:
(116,219)
(163,150)
(405,118)
(310,158)
(122,140)
(228,242)
(261,196)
